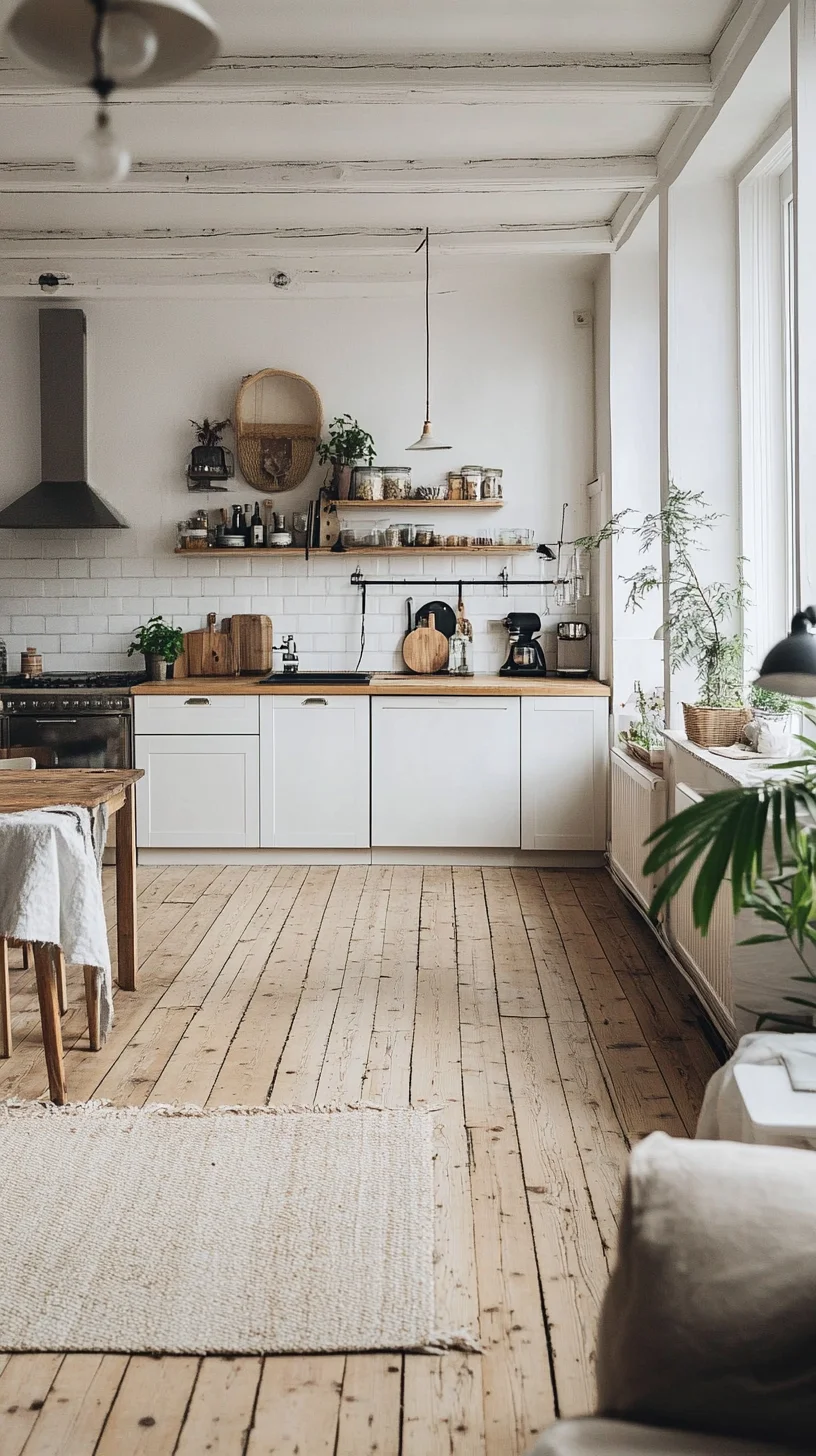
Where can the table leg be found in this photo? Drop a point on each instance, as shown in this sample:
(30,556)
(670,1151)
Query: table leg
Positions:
(126,892)
(6,1040)
(92,1003)
(62,980)
(50,1017)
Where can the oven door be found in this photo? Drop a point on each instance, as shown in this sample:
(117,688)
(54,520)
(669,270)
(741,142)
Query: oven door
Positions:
(92,740)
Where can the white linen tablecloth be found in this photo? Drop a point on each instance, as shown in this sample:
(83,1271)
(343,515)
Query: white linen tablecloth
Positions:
(51,889)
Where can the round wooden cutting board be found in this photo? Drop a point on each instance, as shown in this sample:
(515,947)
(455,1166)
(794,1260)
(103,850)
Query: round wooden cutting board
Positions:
(425,649)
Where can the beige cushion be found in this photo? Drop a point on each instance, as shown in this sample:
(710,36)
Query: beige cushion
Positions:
(595,1437)
(710,1319)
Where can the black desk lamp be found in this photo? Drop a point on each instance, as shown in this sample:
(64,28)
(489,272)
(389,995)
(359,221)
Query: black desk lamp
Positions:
(790,666)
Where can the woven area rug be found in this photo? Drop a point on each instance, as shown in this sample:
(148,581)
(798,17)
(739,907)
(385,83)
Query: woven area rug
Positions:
(237,1231)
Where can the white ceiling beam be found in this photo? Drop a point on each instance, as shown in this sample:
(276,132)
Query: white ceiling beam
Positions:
(388,80)
(41,251)
(502,175)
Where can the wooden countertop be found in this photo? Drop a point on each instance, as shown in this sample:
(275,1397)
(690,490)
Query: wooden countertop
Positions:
(386,685)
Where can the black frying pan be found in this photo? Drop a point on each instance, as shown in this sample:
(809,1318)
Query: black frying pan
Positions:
(445,617)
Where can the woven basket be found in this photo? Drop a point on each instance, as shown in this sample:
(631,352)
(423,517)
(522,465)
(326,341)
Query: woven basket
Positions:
(276,455)
(714,727)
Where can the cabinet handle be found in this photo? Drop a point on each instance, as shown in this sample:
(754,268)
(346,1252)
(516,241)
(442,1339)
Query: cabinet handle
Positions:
(196,702)
(315,703)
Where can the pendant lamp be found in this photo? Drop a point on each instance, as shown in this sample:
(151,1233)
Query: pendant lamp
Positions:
(426,440)
(116,43)
(790,666)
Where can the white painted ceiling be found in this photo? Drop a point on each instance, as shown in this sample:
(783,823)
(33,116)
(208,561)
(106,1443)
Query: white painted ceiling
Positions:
(510,105)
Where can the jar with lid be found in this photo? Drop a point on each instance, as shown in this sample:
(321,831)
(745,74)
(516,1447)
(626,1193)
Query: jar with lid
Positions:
(367,483)
(424,536)
(396,481)
(456,485)
(392,536)
(472,482)
(491,483)
(407,534)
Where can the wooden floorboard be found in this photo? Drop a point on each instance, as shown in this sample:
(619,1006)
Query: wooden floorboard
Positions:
(532,1009)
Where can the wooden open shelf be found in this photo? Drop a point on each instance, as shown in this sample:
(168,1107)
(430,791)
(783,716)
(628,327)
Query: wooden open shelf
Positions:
(272,551)
(415,504)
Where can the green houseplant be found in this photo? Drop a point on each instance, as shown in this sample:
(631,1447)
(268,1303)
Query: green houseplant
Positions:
(644,736)
(347,445)
(209,461)
(701,621)
(764,837)
(160,643)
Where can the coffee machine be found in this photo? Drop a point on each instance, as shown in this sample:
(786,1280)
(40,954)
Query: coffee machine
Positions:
(526,656)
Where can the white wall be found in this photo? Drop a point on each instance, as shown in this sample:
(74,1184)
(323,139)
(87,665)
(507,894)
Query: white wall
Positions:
(513,386)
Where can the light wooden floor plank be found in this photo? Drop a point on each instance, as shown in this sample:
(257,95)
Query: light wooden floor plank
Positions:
(532,1009)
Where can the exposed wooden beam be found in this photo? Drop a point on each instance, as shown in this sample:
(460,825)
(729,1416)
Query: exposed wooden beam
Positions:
(27,253)
(502,175)
(352,80)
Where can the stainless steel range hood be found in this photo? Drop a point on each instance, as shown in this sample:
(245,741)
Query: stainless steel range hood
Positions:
(63,500)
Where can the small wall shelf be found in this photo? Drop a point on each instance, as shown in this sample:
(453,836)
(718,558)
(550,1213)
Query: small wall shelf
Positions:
(415,504)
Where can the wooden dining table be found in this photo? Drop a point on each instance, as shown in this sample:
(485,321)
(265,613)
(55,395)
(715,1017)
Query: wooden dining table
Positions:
(85,788)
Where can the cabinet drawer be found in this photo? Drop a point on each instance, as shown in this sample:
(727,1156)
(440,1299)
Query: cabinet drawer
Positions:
(198,713)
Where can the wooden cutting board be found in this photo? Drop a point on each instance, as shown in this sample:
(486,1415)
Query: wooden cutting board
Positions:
(209,653)
(251,638)
(425,649)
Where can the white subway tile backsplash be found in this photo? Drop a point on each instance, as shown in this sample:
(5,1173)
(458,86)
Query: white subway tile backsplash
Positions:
(106,567)
(28,624)
(73,567)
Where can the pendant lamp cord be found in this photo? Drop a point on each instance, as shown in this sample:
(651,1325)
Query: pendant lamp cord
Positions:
(100,83)
(426,245)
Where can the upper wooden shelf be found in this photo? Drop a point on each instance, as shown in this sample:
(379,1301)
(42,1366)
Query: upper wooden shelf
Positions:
(270,551)
(415,504)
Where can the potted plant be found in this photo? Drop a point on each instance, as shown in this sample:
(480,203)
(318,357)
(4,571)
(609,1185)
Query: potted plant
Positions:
(724,836)
(701,623)
(347,445)
(209,461)
(644,736)
(160,643)
(772,707)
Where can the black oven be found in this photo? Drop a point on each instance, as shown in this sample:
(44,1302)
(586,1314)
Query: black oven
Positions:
(84,725)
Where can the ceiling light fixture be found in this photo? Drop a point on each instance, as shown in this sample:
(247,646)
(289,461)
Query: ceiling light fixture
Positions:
(138,43)
(426,440)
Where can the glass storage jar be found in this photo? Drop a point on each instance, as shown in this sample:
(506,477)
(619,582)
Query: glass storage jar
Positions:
(491,483)
(396,481)
(456,485)
(472,476)
(407,534)
(392,536)
(424,536)
(367,483)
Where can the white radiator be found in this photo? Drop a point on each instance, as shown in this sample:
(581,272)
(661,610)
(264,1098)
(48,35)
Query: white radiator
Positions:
(638,808)
(709,958)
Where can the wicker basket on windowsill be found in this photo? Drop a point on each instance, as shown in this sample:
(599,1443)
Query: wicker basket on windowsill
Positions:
(714,727)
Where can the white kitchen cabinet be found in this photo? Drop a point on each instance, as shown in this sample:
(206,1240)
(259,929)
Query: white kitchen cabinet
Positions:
(564,767)
(200,791)
(445,772)
(315,772)
(195,713)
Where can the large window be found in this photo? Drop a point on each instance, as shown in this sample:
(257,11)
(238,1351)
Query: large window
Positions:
(766,322)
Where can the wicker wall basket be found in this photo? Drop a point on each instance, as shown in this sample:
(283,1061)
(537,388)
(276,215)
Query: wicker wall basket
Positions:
(714,727)
(278,420)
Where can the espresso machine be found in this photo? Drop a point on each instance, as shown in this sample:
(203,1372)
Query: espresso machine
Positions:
(526,655)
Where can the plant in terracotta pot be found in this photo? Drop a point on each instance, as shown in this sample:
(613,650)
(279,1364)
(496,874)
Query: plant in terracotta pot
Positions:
(348,445)
(160,643)
(702,618)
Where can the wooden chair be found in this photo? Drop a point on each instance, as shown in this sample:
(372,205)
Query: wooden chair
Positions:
(9,759)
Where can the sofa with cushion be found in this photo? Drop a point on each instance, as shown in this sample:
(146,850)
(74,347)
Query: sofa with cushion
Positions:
(707,1343)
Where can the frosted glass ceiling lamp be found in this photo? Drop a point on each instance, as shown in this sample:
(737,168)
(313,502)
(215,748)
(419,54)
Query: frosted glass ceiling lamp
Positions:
(426,440)
(100,156)
(143,42)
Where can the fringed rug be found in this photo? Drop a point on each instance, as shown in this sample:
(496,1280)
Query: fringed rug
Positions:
(236,1231)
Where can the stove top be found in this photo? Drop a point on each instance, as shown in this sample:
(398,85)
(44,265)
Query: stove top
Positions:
(72,681)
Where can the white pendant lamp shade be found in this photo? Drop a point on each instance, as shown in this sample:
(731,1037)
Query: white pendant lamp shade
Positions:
(426,440)
(144,42)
